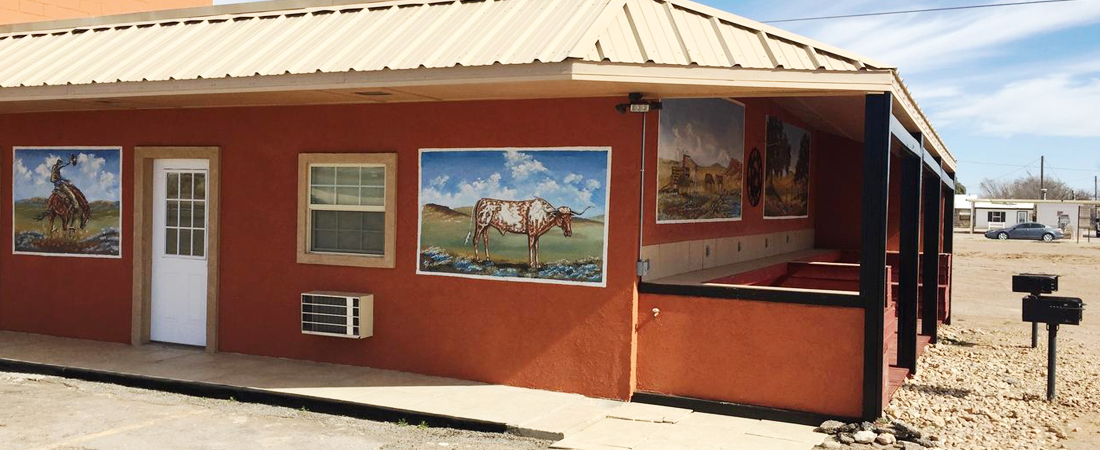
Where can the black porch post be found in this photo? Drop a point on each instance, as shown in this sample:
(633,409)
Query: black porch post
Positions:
(930,276)
(949,237)
(949,219)
(872,255)
(908,257)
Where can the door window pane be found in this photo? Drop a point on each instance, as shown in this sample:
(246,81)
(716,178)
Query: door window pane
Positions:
(185,185)
(171,242)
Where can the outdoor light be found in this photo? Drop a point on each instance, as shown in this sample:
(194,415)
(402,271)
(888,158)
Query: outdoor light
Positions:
(637,105)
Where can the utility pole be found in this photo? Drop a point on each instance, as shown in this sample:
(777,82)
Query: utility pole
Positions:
(1042,177)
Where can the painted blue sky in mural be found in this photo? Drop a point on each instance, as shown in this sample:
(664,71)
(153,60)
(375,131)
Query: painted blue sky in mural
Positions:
(97,172)
(457,178)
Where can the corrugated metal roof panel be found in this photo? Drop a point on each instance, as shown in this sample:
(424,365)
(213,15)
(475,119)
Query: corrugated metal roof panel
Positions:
(406,35)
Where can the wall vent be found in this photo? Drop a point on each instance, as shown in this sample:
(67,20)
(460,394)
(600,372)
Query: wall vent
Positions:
(338,314)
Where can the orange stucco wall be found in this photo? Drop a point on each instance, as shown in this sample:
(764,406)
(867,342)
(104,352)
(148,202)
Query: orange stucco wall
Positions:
(19,11)
(566,338)
(800,357)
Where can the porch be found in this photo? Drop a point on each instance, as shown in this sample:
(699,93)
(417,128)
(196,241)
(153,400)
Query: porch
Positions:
(826,320)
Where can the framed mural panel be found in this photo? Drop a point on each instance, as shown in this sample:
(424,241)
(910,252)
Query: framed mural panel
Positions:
(700,159)
(515,214)
(67,201)
(786,171)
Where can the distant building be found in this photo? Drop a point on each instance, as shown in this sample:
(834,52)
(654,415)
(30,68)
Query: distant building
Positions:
(982,215)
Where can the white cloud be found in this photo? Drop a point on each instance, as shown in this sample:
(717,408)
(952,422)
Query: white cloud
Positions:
(1054,105)
(573,178)
(592,185)
(469,192)
(700,144)
(439,181)
(21,170)
(43,170)
(920,42)
(547,186)
(522,165)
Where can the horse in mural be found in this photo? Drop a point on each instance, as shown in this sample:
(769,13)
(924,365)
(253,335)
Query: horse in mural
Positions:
(66,202)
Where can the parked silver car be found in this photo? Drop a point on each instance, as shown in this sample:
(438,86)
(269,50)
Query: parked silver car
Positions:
(1026,230)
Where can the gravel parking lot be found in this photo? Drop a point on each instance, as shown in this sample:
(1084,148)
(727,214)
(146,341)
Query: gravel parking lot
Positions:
(983,387)
(41,413)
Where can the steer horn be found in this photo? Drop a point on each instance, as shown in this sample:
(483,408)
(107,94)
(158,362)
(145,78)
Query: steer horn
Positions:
(579,213)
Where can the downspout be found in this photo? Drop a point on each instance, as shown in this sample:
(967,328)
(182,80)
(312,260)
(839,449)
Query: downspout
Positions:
(642,265)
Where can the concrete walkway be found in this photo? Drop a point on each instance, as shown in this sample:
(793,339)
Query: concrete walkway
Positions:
(573,421)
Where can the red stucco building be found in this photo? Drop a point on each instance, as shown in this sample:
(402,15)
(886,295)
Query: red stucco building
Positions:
(821,311)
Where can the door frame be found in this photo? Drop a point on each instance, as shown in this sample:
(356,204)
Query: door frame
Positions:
(143,237)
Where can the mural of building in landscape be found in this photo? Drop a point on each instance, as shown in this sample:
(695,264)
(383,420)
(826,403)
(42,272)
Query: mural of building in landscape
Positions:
(524,214)
(786,171)
(700,154)
(67,201)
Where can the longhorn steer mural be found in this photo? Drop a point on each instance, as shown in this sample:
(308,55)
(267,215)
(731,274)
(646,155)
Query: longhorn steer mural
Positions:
(525,194)
(533,218)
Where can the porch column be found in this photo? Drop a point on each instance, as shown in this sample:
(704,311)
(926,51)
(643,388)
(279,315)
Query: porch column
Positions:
(930,260)
(949,238)
(872,255)
(908,257)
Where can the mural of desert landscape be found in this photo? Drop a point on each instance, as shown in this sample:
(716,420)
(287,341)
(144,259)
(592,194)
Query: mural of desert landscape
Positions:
(67,201)
(786,171)
(514,214)
(701,148)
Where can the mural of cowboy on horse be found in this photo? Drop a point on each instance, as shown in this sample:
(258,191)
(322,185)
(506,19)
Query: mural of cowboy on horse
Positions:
(66,202)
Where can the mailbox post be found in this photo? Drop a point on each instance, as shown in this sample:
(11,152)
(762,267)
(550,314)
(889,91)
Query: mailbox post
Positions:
(1053,311)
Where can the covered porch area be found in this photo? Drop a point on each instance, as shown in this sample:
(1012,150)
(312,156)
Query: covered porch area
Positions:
(817,316)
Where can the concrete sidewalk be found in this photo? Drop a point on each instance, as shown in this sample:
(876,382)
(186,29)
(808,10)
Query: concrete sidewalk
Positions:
(573,421)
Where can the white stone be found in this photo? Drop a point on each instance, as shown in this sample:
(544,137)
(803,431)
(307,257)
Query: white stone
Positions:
(864,437)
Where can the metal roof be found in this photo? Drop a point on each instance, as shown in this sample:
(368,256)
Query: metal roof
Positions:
(396,35)
(292,45)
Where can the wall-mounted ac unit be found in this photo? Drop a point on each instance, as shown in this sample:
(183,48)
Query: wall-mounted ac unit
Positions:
(339,314)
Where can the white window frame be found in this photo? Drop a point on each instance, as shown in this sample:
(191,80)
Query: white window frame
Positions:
(306,161)
(1002,213)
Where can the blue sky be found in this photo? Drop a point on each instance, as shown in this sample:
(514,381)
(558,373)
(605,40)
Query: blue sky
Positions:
(96,173)
(572,178)
(1002,86)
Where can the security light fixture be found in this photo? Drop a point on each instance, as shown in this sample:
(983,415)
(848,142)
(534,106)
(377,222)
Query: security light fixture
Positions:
(637,105)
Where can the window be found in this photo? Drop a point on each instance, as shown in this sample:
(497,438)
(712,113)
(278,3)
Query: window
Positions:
(185,225)
(346,209)
(996,216)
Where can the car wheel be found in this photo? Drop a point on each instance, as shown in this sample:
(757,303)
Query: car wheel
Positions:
(1048,237)
(1002,236)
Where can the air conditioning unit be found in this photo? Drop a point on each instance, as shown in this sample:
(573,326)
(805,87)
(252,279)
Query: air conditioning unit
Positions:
(338,314)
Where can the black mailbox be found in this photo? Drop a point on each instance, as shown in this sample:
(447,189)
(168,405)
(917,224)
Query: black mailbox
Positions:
(1035,283)
(1053,310)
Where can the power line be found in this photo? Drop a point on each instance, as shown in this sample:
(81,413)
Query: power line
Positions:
(914,11)
(984,163)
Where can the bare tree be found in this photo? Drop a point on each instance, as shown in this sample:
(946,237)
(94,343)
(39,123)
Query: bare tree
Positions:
(1028,188)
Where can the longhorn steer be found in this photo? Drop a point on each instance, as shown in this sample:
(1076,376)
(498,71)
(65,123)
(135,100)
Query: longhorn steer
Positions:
(530,217)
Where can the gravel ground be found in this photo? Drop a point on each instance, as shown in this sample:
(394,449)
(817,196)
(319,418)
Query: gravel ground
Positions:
(41,412)
(983,387)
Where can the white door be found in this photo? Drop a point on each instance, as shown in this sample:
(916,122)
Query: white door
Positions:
(178,313)
(1021,216)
